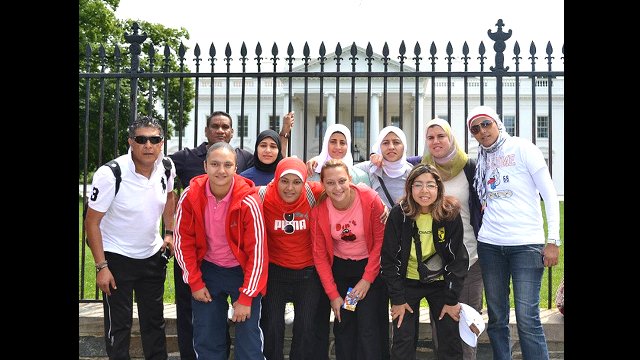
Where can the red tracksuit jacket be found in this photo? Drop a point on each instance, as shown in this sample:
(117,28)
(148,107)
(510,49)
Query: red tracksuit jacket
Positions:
(245,233)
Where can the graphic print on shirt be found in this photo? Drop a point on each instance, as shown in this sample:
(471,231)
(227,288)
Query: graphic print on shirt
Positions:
(346,233)
(289,225)
(495,179)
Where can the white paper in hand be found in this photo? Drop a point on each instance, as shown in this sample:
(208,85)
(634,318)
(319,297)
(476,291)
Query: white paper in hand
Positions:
(470,320)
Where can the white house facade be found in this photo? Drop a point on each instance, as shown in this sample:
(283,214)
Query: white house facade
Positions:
(367,104)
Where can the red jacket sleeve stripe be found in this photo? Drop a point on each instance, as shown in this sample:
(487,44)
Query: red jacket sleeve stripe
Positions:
(258,247)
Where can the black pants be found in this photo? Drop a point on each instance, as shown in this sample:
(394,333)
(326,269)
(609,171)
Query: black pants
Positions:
(321,330)
(404,338)
(146,278)
(384,315)
(184,320)
(357,336)
(303,288)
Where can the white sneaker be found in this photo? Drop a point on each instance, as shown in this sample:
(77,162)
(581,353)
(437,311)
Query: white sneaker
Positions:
(288,314)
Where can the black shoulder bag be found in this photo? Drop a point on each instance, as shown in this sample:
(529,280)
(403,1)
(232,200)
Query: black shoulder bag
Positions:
(430,269)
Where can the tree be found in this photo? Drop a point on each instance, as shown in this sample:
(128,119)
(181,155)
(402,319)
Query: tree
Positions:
(105,101)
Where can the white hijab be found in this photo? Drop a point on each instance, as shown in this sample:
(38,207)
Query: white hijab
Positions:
(393,169)
(323,157)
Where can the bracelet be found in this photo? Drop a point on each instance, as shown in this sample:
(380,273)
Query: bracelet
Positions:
(102,265)
(168,232)
(285,135)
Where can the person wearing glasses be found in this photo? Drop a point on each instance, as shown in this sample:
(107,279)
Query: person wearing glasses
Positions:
(346,233)
(189,163)
(511,175)
(287,201)
(424,256)
(220,242)
(457,171)
(122,232)
(266,156)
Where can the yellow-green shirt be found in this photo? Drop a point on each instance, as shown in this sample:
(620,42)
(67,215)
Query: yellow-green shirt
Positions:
(424,224)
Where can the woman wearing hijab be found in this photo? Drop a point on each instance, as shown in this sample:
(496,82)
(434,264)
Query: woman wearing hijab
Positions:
(456,170)
(336,144)
(511,175)
(266,156)
(287,201)
(423,256)
(388,178)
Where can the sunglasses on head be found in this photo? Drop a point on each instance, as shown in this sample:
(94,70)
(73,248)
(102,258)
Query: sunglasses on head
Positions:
(288,228)
(476,128)
(141,139)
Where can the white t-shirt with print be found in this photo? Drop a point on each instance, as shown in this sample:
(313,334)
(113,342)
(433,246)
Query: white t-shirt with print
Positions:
(513,215)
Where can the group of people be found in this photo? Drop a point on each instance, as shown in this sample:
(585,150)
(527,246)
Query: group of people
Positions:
(359,243)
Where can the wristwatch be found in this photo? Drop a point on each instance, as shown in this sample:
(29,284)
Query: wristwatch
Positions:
(556,242)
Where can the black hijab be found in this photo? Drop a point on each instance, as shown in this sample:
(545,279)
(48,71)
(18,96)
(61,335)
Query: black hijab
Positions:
(259,164)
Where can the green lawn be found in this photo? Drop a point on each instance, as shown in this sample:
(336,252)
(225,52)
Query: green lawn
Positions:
(169,292)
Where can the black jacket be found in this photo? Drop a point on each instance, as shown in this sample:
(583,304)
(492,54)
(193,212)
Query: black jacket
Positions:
(396,249)
(475,207)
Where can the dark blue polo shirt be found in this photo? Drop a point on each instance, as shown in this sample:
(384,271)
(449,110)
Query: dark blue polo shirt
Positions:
(190,162)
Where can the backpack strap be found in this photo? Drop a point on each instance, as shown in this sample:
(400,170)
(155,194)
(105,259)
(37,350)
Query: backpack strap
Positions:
(262,190)
(115,168)
(310,198)
(167,167)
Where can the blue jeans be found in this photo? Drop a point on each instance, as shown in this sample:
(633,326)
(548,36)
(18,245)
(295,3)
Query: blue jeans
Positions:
(210,319)
(523,265)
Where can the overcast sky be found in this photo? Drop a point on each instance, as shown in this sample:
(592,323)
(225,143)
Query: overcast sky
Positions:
(362,21)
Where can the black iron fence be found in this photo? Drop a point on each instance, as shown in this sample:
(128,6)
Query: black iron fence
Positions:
(356,86)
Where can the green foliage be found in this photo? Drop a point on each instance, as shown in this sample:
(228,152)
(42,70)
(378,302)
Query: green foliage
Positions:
(105,111)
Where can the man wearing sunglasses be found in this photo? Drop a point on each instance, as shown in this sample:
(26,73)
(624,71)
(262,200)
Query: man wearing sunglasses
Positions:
(122,232)
(511,174)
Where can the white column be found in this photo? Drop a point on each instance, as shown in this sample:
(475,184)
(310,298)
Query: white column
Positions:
(421,121)
(331,109)
(374,122)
